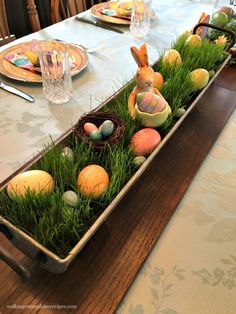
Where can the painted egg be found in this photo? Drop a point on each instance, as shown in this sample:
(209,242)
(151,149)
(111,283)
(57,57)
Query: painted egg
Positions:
(89,128)
(71,198)
(180,112)
(37,181)
(211,73)
(96,136)
(194,40)
(92,181)
(68,153)
(107,128)
(171,56)
(139,160)
(150,102)
(199,78)
(145,141)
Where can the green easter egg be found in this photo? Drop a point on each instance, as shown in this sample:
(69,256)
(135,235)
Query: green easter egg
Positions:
(180,112)
(96,136)
(219,19)
(71,198)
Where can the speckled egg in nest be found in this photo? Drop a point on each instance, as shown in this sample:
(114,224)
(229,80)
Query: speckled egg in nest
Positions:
(98,118)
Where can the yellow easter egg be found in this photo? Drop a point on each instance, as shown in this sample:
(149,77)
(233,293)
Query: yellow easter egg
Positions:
(199,78)
(194,40)
(38,181)
(171,56)
(186,34)
(124,8)
(33,57)
(92,181)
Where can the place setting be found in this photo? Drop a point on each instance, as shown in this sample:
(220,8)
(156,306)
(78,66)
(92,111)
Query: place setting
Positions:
(114,12)
(21,61)
(136,15)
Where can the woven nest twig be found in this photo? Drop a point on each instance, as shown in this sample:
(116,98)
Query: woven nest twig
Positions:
(97,118)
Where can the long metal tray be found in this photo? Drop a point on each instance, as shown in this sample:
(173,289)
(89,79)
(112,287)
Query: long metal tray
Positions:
(40,254)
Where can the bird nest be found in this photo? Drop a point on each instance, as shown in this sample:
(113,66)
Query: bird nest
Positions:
(97,118)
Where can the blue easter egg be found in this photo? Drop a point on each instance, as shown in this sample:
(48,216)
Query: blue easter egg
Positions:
(21,61)
(107,128)
(96,135)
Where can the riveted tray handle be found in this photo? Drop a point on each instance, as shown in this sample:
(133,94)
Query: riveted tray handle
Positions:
(11,261)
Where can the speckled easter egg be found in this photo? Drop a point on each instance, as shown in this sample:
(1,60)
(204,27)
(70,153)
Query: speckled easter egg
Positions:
(89,128)
(37,181)
(139,160)
(150,102)
(107,128)
(68,153)
(145,141)
(71,198)
(92,181)
(199,78)
(180,112)
(96,136)
(171,56)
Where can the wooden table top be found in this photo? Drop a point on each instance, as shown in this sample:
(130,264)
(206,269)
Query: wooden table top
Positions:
(99,277)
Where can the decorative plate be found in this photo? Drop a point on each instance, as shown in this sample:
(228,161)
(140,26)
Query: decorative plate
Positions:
(10,70)
(95,11)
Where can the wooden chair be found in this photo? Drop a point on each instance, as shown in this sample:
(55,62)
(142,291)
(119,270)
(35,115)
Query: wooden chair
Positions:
(33,15)
(5,36)
(60,10)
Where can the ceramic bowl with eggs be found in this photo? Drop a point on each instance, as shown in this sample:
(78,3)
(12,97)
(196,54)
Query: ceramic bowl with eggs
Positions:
(153,109)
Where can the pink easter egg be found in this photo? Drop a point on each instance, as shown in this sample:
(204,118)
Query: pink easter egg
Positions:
(150,102)
(89,128)
(145,141)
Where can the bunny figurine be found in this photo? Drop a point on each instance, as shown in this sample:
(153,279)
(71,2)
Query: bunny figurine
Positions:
(144,89)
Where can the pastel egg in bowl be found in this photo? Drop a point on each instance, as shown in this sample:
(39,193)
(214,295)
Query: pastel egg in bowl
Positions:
(154,112)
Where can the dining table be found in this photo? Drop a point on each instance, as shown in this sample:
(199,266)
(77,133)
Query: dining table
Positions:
(169,246)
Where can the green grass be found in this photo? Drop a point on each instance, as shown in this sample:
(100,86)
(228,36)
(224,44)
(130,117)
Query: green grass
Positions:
(59,226)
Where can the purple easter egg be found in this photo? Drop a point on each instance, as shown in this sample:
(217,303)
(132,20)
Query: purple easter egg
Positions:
(150,102)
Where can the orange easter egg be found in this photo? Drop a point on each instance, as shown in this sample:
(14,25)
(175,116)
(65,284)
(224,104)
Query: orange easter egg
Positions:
(158,80)
(92,181)
(145,141)
(89,128)
(37,181)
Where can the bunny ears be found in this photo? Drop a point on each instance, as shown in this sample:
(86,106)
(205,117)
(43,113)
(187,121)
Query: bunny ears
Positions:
(140,55)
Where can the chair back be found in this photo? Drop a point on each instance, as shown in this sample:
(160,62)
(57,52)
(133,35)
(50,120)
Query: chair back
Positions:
(59,10)
(62,9)
(33,16)
(5,36)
